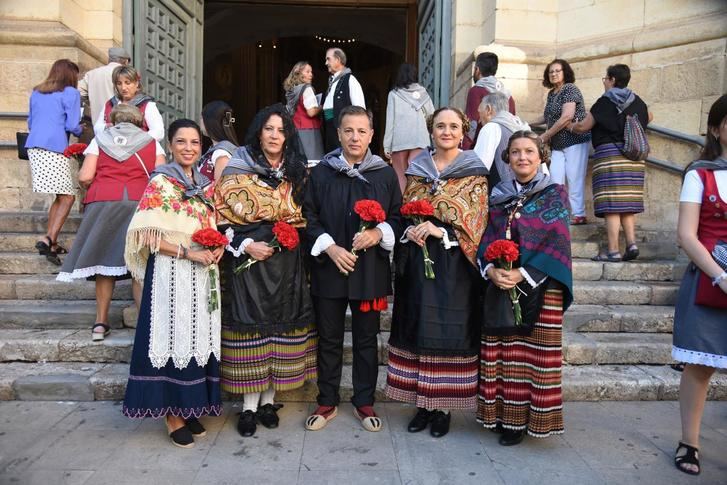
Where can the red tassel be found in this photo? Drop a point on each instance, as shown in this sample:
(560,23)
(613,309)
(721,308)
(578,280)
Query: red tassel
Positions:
(365,306)
(383,303)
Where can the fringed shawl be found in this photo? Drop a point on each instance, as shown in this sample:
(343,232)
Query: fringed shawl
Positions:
(164,213)
(460,203)
(542,233)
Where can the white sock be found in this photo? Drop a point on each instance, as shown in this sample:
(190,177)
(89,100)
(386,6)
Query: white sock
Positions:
(250,400)
(267,396)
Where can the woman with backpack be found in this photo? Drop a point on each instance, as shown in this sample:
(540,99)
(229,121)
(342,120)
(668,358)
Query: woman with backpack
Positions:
(618,182)
(407,109)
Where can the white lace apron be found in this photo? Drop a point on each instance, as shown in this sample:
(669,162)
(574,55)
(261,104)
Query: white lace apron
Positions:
(181,325)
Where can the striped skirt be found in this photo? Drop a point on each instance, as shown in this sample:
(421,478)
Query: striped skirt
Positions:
(618,183)
(252,363)
(520,377)
(432,381)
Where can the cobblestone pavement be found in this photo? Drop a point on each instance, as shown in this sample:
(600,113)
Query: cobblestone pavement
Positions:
(608,442)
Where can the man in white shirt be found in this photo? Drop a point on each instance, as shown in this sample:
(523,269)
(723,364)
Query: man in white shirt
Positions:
(96,86)
(343,90)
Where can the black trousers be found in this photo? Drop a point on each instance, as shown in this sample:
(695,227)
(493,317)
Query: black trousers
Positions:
(330,139)
(330,320)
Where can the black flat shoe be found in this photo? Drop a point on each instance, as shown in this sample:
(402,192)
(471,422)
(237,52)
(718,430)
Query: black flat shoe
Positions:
(498,429)
(267,415)
(632,252)
(440,423)
(511,437)
(195,427)
(420,421)
(247,424)
(182,437)
(43,247)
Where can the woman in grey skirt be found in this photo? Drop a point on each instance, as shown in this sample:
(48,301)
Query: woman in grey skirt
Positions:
(700,319)
(116,170)
(305,110)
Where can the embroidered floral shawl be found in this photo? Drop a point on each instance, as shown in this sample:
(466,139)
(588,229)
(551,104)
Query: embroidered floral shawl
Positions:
(164,213)
(459,202)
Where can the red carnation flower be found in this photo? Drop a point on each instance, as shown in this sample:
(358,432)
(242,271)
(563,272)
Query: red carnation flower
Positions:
(421,208)
(370,211)
(502,250)
(286,235)
(75,149)
(209,238)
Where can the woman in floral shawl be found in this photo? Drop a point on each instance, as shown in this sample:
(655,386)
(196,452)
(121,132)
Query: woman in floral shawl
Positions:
(174,366)
(268,337)
(520,373)
(435,328)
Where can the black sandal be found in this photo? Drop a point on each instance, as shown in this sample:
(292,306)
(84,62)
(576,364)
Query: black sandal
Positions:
(632,252)
(58,248)
(679,366)
(43,247)
(607,257)
(99,336)
(688,458)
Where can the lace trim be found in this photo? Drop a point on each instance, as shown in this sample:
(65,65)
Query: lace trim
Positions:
(92,271)
(186,413)
(181,325)
(701,358)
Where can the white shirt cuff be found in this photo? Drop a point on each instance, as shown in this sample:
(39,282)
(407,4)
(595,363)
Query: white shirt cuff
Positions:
(445,240)
(530,279)
(387,236)
(240,250)
(483,271)
(323,242)
(404,239)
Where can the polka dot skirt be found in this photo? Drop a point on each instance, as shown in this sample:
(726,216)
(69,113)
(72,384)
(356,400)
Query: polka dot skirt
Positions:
(51,172)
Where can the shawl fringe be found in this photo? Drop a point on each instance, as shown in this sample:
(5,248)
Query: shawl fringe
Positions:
(142,242)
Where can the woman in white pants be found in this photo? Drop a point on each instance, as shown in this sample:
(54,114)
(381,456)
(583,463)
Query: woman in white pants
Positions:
(569,157)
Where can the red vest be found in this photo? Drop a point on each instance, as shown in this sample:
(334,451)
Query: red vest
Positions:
(113,177)
(302,121)
(713,212)
(109,106)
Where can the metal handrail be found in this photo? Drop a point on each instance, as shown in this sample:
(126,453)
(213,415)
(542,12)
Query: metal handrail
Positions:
(13,115)
(697,140)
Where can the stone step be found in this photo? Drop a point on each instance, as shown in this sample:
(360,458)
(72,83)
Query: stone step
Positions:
(75,345)
(34,221)
(24,242)
(41,315)
(625,292)
(619,318)
(46,287)
(656,270)
(89,382)
(26,263)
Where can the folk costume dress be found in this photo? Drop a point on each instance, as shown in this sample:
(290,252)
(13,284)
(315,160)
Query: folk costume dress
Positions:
(700,331)
(299,99)
(618,183)
(206,163)
(175,362)
(152,120)
(268,335)
(520,375)
(435,333)
(333,189)
(126,157)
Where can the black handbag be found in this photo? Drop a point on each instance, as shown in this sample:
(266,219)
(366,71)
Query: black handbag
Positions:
(499,317)
(21,137)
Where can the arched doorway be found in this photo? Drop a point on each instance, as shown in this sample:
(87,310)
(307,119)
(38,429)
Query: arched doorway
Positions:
(250,48)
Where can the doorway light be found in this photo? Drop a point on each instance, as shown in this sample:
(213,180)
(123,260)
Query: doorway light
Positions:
(335,41)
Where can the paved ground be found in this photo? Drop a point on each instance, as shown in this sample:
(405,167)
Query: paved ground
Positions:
(92,443)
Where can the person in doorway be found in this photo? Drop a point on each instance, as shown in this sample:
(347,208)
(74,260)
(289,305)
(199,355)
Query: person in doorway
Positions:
(435,329)
(54,111)
(174,370)
(115,171)
(569,151)
(218,124)
(485,83)
(268,335)
(97,85)
(520,368)
(343,90)
(340,278)
(618,183)
(700,333)
(128,89)
(305,110)
(407,109)
(498,124)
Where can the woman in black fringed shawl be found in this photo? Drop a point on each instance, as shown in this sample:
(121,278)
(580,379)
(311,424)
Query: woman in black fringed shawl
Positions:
(268,337)
(520,370)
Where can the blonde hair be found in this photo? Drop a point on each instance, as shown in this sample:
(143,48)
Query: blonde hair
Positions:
(295,77)
(129,73)
(125,113)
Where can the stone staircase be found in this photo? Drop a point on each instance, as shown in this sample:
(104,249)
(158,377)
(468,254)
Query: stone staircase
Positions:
(617,338)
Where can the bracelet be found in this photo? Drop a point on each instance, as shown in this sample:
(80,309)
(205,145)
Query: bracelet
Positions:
(718,279)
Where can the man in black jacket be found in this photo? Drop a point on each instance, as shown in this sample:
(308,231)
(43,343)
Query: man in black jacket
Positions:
(340,278)
(343,90)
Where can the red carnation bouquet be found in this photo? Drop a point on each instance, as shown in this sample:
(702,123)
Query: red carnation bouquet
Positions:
(75,151)
(503,253)
(370,212)
(418,211)
(211,239)
(284,236)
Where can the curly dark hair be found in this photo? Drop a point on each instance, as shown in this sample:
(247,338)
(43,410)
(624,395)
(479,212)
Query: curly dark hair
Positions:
(457,111)
(568,74)
(294,161)
(543,150)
